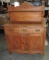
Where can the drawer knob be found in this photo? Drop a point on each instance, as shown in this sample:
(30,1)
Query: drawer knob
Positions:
(24,30)
(23,43)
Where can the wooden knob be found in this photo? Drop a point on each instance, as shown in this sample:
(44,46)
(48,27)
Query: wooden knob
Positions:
(23,43)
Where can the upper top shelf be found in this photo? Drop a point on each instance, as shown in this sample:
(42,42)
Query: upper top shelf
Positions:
(26,12)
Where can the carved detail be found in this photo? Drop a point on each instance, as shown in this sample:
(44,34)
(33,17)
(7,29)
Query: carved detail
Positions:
(26,6)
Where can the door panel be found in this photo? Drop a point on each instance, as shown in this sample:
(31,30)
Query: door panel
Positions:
(17,41)
(36,42)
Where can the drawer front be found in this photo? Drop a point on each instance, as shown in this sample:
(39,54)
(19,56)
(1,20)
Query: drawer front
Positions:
(38,30)
(23,30)
(31,30)
(10,29)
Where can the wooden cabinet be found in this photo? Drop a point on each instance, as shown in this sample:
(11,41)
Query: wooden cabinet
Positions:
(26,33)
(25,39)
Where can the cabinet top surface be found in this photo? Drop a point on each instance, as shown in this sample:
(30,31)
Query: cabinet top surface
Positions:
(26,25)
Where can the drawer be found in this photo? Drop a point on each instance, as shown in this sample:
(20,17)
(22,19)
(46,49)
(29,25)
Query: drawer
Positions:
(23,30)
(38,30)
(10,29)
(31,30)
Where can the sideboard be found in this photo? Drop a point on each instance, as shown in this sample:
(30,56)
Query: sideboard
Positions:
(26,33)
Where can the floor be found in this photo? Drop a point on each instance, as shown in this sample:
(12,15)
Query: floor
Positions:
(4,55)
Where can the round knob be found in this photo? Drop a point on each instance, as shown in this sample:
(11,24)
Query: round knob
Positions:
(23,43)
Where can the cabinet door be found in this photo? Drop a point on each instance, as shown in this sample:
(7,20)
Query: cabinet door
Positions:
(36,41)
(17,41)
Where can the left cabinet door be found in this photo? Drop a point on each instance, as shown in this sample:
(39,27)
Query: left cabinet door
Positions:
(17,42)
